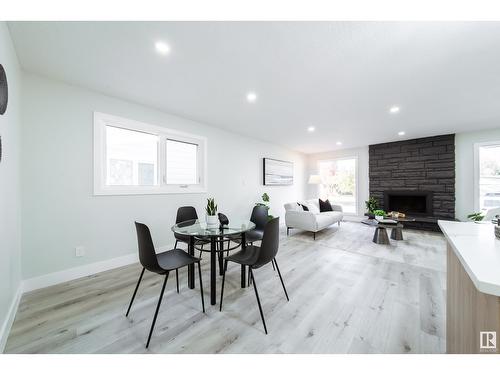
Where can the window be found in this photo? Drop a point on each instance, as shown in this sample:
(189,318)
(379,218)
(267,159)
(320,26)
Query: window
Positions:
(487,181)
(339,180)
(181,162)
(136,158)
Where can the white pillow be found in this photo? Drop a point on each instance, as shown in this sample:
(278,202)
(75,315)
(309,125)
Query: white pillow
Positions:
(313,208)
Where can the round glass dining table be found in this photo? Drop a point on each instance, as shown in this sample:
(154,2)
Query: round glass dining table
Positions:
(200,230)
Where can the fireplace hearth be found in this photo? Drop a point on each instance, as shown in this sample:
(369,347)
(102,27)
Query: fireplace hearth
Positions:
(413,203)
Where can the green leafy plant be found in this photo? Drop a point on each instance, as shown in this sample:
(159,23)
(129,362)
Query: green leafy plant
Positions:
(476,216)
(371,205)
(379,213)
(265,203)
(265,200)
(211,207)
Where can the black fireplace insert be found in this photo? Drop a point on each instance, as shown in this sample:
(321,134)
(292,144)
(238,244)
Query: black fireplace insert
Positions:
(409,202)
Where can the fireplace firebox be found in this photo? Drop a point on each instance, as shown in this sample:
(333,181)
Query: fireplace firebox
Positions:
(418,203)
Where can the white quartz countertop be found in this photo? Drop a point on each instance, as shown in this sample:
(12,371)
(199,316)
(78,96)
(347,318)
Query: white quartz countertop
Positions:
(478,250)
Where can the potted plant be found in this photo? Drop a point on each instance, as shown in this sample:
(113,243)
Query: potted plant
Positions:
(476,216)
(265,203)
(379,214)
(371,206)
(211,212)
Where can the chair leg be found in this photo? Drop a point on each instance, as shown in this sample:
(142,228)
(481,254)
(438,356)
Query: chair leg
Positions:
(282,283)
(274,268)
(287,231)
(135,291)
(249,279)
(175,246)
(157,309)
(222,287)
(258,300)
(177,278)
(201,287)
(314,236)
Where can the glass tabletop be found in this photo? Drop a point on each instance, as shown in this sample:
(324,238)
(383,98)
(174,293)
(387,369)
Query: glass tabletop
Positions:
(202,229)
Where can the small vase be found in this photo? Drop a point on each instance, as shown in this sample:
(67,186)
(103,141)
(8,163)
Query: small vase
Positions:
(212,220)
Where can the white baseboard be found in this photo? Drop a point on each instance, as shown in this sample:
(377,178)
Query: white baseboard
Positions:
(82,271)
(9,319)
(77,272)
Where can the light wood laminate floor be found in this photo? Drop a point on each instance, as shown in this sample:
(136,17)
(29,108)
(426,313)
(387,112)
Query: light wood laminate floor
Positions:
(347,295)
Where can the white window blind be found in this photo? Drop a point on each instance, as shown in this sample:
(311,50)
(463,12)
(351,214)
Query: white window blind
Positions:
(182,160)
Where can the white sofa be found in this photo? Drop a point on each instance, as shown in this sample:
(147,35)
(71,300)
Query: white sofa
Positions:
(312,220)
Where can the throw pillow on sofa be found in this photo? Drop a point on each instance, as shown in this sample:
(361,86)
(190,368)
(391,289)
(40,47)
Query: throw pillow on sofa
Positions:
(325,206)
(304,207)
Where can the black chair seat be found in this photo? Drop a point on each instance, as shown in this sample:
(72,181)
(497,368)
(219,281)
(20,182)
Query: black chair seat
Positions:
(246,257)
(254,235)
(173,259)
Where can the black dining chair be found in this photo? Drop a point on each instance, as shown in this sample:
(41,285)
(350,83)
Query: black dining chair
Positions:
(187,213)
(255,257)
(161,264)
(260,218)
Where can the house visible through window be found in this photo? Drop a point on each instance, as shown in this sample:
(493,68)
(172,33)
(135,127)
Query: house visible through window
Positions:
(137,158)
(131,157)
(339,182)
(488,187)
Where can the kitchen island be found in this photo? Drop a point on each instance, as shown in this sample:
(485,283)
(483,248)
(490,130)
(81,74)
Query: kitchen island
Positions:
(473,287)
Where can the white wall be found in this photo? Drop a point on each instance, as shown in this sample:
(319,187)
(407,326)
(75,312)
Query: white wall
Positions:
(58,203)
(10,204)
(464,159)
(362,184)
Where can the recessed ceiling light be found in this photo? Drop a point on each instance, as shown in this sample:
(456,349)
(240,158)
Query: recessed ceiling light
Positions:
(162,48)
(394,109)
(251,97)
(401,133)
(339,143)
(311,129)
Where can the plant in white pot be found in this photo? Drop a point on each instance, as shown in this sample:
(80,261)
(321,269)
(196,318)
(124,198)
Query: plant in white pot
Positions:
(211,212)
(379,215)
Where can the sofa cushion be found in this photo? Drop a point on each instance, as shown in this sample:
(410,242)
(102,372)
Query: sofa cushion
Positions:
(312,205)
(325,206)
(333,215)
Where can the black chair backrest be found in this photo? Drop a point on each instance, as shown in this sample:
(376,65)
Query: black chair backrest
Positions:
(147,254)
(270,241)
(223,220)
(259,217)
(186,213)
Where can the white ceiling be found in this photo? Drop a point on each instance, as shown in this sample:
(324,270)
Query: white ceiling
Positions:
(340,77)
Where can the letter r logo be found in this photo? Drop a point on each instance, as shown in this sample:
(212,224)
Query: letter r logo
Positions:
(488,340)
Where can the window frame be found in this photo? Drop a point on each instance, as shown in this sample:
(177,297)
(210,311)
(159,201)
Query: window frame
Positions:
(477,168)
(356,176)
(101,120)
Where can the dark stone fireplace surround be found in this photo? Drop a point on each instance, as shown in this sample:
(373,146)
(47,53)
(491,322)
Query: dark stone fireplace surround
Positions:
(418,167)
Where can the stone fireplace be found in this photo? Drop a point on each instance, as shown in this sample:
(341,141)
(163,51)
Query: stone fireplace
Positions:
(416,177)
